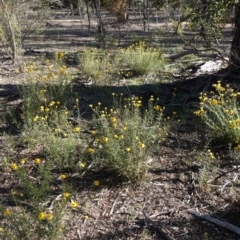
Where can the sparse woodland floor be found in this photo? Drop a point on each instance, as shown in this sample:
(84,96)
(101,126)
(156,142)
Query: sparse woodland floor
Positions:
(157,207)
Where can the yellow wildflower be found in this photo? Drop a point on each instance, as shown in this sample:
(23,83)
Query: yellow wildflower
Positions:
(37,161)
(237,147)
(128,149)
(49,216)
(13,166)
(7,212)
(90,150)
(51,103)
(113,119)
(93,132)
(35,118)
(96,183)
(41,216)
(105,139)
(76,130)
(141,145)
(22,161)
(213,102)
(74,204)
(81,164)
(63,176)
(66,195)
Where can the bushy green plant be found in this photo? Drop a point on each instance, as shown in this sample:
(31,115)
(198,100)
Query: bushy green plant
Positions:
(141,59)
(47,106)
(96,64)
(29,217)
(219,110)
(209,168)
(46,88)
(125,136)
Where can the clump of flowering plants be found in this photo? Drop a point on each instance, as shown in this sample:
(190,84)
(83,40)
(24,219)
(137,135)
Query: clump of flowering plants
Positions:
(125,136)
(220,111)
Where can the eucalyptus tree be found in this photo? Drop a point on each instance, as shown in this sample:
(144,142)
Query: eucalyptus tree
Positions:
(208,17)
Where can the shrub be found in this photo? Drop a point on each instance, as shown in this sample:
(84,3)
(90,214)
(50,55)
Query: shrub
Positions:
(141,59)
(220,111)
(96,64)
(125,136)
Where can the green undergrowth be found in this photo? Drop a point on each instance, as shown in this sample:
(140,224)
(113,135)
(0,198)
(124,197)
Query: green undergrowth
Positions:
(57,143)
(117,139)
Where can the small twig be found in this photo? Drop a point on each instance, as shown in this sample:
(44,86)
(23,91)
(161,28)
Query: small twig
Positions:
(223,224)
(164,235)
(234,180)
(130,94)
(113,206)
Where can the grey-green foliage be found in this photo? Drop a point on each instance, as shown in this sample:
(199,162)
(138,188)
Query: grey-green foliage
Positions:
(19,19)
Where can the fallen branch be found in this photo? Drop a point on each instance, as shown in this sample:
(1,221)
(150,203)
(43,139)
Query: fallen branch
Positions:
(148,219)
(223,224)
(188,52)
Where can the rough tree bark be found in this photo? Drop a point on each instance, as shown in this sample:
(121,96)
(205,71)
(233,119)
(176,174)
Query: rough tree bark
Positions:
(235,49)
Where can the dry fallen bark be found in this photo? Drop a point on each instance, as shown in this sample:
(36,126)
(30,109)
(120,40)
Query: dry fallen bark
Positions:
(223,224)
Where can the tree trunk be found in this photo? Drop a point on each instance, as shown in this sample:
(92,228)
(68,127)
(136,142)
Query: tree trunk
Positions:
(235,49)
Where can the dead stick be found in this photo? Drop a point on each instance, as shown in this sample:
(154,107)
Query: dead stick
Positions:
(223,224)
(164,235)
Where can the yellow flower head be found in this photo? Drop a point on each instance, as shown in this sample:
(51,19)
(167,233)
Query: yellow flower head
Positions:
(93,132)
(51,103)
(22,161)
(90,150)
(65,195)
(74,204)
(96,183)
(49,216)
(128,149)
(63,176)
(35,118)
(37,161)
(141,145)
(105,139)
(113,119)
(7,213)
(13,166)
(213,102)
(76,130)
(81,164)
(41,216)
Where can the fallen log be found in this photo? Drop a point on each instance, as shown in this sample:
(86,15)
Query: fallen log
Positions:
(223,224)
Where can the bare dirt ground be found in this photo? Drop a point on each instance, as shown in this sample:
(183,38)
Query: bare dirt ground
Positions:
(157,208)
